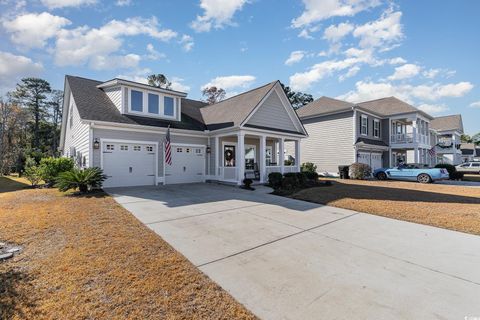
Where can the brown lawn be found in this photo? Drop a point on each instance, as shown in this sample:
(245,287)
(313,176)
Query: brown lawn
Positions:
(88,258)
(450,207)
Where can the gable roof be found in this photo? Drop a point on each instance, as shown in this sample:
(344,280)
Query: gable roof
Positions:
(234,110)
(389,106)
(323,105)
(383,107)
(93,104)
(447,123)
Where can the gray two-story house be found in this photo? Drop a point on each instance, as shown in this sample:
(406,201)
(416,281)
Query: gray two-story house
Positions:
(448,131)
(380,133)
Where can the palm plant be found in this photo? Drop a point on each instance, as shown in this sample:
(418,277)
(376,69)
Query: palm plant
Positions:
(83,180)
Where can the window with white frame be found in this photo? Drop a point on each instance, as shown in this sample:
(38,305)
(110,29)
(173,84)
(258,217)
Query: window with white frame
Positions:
(136,101)
(137,148)
(364,125)
(124,147)
(110,147)
(149,148)
(168,106)
(153,105)
(376,128)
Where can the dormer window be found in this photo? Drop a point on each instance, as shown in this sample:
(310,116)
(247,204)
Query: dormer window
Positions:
(153,103)
(168,108)
(136,103)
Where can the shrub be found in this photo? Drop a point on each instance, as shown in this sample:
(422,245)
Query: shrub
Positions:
(456,175)
(450,168)
(275,180)
(52,167)
(311,176)
(294,180)
(359,171)
(83,180)
(247,183)
(32,172)
(308,167)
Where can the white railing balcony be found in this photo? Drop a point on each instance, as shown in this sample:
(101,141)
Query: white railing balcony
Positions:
(402,138)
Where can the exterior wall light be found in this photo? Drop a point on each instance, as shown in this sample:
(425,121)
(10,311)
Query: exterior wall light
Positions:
(96,144)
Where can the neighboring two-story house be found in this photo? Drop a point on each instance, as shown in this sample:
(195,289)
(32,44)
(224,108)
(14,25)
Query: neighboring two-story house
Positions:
(121,126)
(449,130)
(380,133)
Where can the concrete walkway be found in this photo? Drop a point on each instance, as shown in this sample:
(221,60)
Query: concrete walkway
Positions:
(289,259)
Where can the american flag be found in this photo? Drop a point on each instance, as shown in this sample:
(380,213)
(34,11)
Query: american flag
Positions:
(168,148)
(432,152)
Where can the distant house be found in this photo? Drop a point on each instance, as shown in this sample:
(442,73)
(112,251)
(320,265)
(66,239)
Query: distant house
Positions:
(380,133)
(120,126)
(470,152)
(448,129)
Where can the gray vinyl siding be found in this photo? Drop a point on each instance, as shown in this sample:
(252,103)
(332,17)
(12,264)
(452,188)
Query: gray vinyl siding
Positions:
(212,157)
(370,126)
(143,136)
(330,141)
(115,95)
(272,114)
(77,138)
(385,130)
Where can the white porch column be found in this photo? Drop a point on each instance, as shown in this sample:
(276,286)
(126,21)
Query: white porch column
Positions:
(281,154)
(414,130)
(297,154)
(217,157)
(262,160)
(240,158)
(416,155)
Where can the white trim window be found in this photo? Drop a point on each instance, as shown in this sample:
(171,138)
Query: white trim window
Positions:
(364,125)
(136,101)
(376,128)
(152,104)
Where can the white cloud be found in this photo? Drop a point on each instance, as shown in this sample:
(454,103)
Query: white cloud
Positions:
(368,90)
(187,42)
(431,73)
(84,45)
(32,30)
(123,3)
(397,60)
(13,67)
(433,108)
(217,14)
(295,56)
(177,84)
(475,104)
(351,72)
(54,4)
(128,61)
(230,82)
(406,71)
(335,33)
(154,54)
(384,32)
(318,10)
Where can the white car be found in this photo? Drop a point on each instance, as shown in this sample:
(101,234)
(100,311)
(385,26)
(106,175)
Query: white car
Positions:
(469,167)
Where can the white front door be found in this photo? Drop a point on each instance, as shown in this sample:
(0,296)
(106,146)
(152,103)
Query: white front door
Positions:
(128,164)
(188,165)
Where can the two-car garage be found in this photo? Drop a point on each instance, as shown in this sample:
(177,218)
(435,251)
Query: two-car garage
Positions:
(135,163)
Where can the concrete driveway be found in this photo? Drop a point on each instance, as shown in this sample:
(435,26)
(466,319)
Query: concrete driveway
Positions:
(289,259)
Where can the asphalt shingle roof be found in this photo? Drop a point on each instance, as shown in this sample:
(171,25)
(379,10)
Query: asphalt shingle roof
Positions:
(387,106)
(446,123)
(93,104)
(323,105)
(233,111)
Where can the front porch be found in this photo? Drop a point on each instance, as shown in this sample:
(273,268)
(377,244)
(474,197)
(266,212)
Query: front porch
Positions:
(263,153)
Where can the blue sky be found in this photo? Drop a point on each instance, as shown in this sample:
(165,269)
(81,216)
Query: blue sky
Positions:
(424,52)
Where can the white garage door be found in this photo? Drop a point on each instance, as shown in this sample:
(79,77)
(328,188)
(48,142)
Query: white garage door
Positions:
(128,164)
(188,165)
(374,160)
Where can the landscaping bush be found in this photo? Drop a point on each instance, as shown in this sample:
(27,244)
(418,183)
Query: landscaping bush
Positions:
(359,171)
(32,171)
(275,180)
(83,180)
(308,167)
(50,168)
(294,180)
(311,176)
(247,183)
(456,175)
